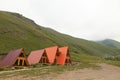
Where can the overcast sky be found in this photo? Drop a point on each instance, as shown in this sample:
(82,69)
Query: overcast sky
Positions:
(87,19)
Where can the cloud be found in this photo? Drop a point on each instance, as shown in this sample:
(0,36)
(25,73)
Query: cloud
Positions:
(88,19)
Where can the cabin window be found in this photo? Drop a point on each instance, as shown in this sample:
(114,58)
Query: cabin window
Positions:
(55,61)
(16,63)
(44,59)
(44,55)
(21,55)
(25,63)
(21,62)
(68,54)
(58,54)
(67,61)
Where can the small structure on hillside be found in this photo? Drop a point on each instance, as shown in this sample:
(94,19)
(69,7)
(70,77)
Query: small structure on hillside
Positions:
(15,58)
(64,56)
(52,53)
(44,56)
(38,56)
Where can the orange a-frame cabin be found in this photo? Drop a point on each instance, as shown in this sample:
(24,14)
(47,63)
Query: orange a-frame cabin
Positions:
(64,56)
(38,56)
(44,56)
(52,53)
(15,58)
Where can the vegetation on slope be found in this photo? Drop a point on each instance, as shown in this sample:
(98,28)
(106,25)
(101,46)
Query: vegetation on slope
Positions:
(110,43)
(17,31)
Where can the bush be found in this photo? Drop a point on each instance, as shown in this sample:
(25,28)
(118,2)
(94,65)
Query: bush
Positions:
(40,65)
(114,58)
(4,68)
(19,67)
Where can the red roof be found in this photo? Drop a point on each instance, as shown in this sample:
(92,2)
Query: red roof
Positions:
(51,53)
(35,56)
(63,54)
(11,57)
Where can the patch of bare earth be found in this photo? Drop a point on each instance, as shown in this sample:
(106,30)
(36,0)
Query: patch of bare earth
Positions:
(107,72)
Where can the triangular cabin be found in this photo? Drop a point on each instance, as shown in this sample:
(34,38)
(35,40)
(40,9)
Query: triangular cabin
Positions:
(64,57)
(44,59)
(15,58)
(52,53)
(38,56)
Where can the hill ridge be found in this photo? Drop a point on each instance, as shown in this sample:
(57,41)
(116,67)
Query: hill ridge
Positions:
(111,43)
(16,31)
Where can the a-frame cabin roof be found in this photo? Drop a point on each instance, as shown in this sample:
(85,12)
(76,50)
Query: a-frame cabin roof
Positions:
(11,57)
(63,51)
(51,53)
(35,56)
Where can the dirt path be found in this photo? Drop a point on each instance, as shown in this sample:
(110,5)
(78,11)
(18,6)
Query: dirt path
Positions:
(107,72)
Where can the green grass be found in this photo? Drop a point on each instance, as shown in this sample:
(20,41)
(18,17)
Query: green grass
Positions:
(80,61)
(115,63)
(17,31)
(83,58)
(41,70)
(46,70)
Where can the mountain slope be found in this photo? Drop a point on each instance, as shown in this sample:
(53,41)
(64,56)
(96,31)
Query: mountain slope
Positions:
(17,31)
(110,43)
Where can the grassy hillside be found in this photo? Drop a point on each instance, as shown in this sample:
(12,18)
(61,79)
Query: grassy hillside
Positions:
(17,31)
(110,43)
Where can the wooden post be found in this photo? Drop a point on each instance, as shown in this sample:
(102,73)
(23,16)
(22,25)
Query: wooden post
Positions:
(23,62)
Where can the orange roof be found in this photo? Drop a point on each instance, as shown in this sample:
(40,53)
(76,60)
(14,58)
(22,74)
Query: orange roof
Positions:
(63,54)
(51,53)
(35,56)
